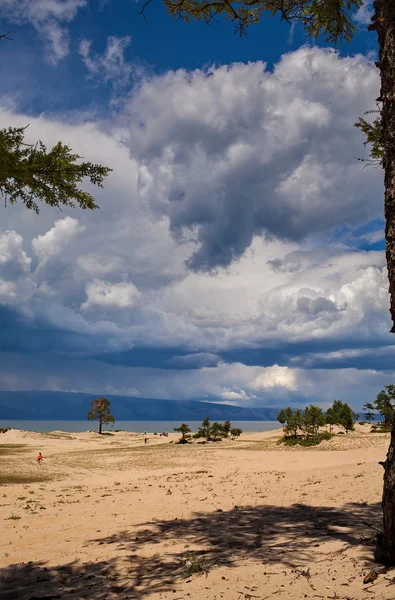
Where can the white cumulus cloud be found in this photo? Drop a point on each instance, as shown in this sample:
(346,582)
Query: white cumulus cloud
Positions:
(233,396)
(238,151)
(13,259)
(53,242)
(364,14)
(275,377)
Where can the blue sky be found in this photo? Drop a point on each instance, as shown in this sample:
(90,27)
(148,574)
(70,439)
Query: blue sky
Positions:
(237,255)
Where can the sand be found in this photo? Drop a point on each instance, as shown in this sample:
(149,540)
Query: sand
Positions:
(109,517)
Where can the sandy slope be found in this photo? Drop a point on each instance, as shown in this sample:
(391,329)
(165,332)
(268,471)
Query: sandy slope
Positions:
(113,518)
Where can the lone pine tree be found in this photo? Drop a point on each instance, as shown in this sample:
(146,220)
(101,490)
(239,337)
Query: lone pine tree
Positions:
(100,409)
(183,429)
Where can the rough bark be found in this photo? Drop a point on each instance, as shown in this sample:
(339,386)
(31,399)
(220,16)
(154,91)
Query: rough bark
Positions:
(384,23)
(100,424)
(385,550)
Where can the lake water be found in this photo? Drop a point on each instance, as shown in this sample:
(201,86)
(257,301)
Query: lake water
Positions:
(137,426)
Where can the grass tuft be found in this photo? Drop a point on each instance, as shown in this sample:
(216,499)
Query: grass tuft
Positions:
(9,479)
(194,565)
(6,449)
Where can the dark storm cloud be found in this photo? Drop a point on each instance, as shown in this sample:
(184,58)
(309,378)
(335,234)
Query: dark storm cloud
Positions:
(25,334)
(245,152)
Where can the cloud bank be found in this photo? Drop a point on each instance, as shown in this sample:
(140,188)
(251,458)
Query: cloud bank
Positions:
(219,264)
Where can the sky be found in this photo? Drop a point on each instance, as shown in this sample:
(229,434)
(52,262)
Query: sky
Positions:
(238,254)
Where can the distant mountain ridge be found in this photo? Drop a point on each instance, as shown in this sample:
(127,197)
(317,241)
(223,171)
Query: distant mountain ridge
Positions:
(41,405)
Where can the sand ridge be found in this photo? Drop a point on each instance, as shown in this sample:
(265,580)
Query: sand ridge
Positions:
(112,517)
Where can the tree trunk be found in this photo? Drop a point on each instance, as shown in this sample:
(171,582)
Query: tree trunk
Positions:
(384,23)
(100,424)
(385,551)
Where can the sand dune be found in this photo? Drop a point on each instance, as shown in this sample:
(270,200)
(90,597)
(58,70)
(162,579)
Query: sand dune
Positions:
(110,517)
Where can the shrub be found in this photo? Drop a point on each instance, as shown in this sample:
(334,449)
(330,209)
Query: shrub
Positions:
(305,442)
(235,432)
(5,429)
(184,429)
(194,565)
(215,432)
(381,427)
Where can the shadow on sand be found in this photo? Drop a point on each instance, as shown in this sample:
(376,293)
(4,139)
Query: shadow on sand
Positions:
(287,536)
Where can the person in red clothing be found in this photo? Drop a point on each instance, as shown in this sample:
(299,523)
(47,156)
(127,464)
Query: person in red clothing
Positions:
(39,458)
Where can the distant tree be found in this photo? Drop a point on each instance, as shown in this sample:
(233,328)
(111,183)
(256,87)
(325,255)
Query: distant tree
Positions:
(347,417)
(204,429)
(217,432)
(32,174)
(227,427)
(212,432)
(235,432)
(336,408)
(100,409)
(330,418)
(385,405)
(183,429)
(369,414)
(313,419)
(303,427)
(284,415)
(341,414)
(294,422)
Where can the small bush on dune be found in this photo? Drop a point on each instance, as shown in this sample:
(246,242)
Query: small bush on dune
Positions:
(194,565)
(5,429)
(235,432)
(381,428)
(184,429)
(208,432)
(305,442)
(215,432)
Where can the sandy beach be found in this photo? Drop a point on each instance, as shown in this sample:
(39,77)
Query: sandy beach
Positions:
(110,517)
